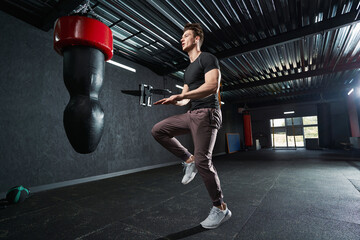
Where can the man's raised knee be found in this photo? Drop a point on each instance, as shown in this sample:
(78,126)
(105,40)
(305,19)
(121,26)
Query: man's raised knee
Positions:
(155,130)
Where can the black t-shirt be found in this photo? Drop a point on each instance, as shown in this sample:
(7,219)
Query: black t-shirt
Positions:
(195,76)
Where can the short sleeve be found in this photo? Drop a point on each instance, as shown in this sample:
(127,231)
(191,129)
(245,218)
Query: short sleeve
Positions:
(209,62)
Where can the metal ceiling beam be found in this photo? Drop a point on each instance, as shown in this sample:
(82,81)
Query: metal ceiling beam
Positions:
(285,78)
(303,92)
(327,25)
(309,93)
(120,9)
(333,23)
(306,99)
(251,98)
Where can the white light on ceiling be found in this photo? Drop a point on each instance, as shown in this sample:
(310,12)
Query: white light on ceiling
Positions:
(178,86)
(122,66)
(222,103)
(350,92)
(289,112)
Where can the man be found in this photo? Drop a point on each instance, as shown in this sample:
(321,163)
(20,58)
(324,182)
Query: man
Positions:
(203,120)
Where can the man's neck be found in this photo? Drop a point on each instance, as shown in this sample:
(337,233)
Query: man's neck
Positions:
(193,54)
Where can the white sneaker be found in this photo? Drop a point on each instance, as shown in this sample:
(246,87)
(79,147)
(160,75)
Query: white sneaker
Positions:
(216,217)
(190,172)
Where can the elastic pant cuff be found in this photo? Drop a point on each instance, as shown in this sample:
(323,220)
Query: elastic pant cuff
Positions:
(218,202)
(186,157)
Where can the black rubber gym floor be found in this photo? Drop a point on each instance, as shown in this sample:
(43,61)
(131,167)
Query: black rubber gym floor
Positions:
(282,194)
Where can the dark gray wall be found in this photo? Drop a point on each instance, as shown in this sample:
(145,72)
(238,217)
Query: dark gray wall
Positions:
(340,124)
(33,145)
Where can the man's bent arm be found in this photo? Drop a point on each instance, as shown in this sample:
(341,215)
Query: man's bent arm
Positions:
(211,86)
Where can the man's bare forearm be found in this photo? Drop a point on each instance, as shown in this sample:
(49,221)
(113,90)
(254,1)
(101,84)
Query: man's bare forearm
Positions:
(203,91)
(182,102)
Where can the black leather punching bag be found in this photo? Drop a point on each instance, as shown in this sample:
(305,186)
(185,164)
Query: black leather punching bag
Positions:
(86,44)
(83,116)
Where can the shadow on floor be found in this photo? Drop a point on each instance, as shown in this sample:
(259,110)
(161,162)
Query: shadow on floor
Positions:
(184,233)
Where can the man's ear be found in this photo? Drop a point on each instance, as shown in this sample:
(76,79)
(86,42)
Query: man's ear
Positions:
(197,39)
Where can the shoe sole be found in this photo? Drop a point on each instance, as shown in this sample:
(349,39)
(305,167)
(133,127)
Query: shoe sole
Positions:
(190,179)
(227,217)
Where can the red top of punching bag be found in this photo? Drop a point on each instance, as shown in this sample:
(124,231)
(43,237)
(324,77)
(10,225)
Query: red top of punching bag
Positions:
(80,30)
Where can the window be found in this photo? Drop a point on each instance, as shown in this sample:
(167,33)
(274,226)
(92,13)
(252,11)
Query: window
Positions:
(292,132)
(310,120)
(311,132)
(280,122)
(297,121)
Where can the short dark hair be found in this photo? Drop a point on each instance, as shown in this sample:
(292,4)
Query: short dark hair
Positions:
(197,30)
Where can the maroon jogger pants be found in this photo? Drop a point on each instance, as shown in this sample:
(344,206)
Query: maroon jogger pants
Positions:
(203,124)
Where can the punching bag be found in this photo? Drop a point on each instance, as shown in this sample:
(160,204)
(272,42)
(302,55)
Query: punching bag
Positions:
(247,129)
(85,43)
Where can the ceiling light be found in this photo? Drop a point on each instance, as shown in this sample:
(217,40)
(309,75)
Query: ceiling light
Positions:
(122,66)
(289,112)
(350,91)
(178,86)
(222,103)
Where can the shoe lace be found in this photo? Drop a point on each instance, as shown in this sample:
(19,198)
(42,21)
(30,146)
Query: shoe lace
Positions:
(213,212)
